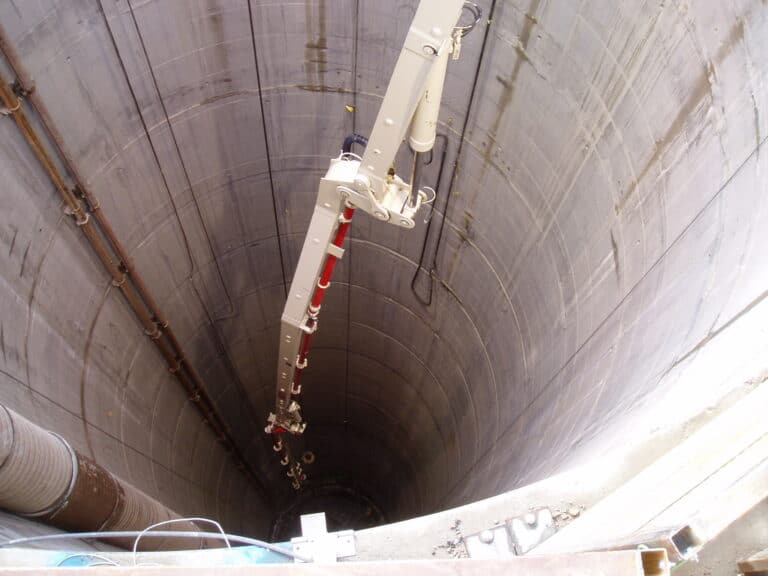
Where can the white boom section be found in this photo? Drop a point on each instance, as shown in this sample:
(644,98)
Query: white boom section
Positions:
(350,183)
(296,314)
(430,33)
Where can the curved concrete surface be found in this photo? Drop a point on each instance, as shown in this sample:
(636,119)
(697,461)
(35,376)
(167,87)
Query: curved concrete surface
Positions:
(606,223)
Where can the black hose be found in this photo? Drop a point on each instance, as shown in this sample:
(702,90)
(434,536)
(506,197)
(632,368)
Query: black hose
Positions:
(427,301)
(432,269)
(346,148)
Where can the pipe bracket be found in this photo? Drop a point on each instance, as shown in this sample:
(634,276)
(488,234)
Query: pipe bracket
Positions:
(177,367)
(9,111)
(154,334)
(120,284)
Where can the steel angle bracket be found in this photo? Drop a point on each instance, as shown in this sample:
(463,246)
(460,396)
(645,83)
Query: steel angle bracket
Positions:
(515,537)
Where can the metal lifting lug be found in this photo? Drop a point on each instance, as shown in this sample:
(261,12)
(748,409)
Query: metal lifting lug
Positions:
(309,327)
(295,427)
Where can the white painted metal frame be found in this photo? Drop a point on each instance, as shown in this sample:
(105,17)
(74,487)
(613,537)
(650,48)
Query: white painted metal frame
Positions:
(366,185)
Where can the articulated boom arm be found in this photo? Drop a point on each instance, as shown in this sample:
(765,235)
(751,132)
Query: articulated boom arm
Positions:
(412,100)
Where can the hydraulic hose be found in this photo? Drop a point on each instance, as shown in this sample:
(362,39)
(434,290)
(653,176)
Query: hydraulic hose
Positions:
(346,148)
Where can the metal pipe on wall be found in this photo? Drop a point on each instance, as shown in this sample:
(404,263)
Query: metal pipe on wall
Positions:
(42,477)
(124,275)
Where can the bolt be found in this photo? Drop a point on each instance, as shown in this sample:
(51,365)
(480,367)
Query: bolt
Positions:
(486,536)
(530,519)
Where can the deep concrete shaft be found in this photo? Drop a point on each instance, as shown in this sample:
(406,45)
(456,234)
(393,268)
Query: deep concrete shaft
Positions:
(606,225)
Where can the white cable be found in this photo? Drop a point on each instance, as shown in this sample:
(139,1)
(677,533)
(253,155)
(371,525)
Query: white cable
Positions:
(176,521)
(351,156)
(434,195)
(429,202)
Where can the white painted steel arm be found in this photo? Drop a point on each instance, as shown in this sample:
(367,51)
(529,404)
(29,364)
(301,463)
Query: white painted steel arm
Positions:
(351,183)
(430,34)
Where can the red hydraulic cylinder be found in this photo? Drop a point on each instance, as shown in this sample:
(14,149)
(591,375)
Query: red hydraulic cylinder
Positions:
(330,261)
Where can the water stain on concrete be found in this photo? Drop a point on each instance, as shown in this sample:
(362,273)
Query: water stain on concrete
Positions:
(316,47)
(700,95)
(509,84)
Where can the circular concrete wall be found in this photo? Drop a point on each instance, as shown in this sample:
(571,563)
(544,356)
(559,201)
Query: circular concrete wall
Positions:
(603,182)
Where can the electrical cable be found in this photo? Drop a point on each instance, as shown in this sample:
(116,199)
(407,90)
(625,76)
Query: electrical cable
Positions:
(184,170)
(157,534)
(266,149)
(432,270)
(238,384)
(176,521)
(149,139)
(348,327)
(420,266)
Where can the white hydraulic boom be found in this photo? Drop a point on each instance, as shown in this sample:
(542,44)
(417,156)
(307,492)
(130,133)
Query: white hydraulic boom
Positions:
(369,183)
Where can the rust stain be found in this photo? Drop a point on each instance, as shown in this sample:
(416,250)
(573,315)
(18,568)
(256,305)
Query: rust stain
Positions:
(217,97)
(322,88)
(700,95)
(615,250)
(24,260)
(466,234)
(13,240)
(508,84)
(315,48)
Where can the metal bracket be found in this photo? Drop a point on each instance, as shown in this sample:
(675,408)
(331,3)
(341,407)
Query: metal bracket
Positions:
(513,538)
(319,544)
(336,251)
(291,422)
(681,542)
